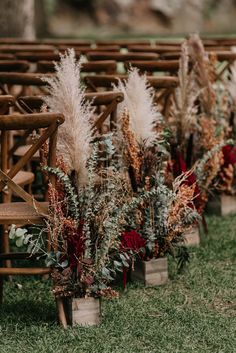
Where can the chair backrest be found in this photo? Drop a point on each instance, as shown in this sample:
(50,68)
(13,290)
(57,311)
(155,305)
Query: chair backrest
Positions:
(34,57)
(47,121)
(122,42)
(164,86)
(153,49)
(105,66)
(86,49)
(95,82)
(11,48)
(120,57)
(170,66)
(106,103)
(14,65)
(27,81)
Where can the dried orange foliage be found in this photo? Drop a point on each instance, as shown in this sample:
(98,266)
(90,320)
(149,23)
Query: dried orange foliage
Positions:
(208,140)
(227,177)
(132,151)
(183,200)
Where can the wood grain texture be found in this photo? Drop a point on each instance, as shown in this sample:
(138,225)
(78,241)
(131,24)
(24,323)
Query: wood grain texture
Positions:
(228,204)
(83,311)
(192,237)
(152,273)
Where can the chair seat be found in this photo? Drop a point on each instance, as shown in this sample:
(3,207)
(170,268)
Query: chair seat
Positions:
(20,213)
(23,178)
(21,151)
(26,271)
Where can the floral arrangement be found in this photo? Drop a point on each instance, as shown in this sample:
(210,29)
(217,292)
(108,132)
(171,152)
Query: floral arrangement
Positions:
(199,122)
(168,210)
(131,193)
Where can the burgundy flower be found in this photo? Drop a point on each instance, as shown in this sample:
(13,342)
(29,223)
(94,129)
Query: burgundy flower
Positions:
(229,153)
(132,241)
(75,248)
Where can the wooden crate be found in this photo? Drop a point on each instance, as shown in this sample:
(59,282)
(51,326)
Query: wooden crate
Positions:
(221,205)
(152,273)
(192,237)
(83,311)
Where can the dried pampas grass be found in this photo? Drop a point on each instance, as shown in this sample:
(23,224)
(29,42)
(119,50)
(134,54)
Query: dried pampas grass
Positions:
(67,97)
(204,72)
(231,85)
(138,100)
(184,109)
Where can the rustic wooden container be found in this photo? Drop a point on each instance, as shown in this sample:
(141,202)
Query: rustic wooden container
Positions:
(152,273)
(221,205)
(83,311)
(192,237)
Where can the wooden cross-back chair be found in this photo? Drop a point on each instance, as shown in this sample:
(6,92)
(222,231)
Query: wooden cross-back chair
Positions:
(86,49)
(27,211)
(30,83)
(23,178)
(14,65)
(164,86)
(150,67)
(11,48)
(67,42)
(4,56)
(122,42)
(105,102)
(35,57)
(169,42)
(120,57)
(105,66)
(153,49)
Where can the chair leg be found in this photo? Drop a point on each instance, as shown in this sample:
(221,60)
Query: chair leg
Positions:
(1,264)
(1,290)
(5,244)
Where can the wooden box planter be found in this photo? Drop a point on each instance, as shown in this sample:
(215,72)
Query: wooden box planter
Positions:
(152,273)
(192,237)
(221,205)
(82,311)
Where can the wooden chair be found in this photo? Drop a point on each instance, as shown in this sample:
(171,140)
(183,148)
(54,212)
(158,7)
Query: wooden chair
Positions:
(35,57)
(164,86)
(4,56)
(14,66)
(105,66)
(150,67)
(120,57)
(105,102)
(27,211)
(9,48)
(67,42)
(86,49)
(30,83)
(153,49)
(23,178)
(122,42)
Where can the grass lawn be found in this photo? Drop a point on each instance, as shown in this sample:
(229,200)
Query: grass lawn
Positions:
(193,312)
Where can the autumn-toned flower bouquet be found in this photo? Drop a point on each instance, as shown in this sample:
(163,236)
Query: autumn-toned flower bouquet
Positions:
(165,206)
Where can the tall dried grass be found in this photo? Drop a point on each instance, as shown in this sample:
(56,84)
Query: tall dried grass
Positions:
(68,97)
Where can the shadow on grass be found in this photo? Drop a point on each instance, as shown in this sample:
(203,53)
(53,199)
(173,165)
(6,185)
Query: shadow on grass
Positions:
(28,311)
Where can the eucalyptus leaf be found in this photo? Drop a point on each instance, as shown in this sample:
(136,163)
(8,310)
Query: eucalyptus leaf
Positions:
(19,242)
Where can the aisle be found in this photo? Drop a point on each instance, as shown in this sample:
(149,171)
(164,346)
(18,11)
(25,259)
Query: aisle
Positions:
(195,312)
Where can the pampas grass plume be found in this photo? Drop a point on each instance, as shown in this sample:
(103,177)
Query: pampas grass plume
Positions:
(67,97)
(138,100)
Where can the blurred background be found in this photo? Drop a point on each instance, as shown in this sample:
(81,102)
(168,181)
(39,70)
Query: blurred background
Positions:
(111,18)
